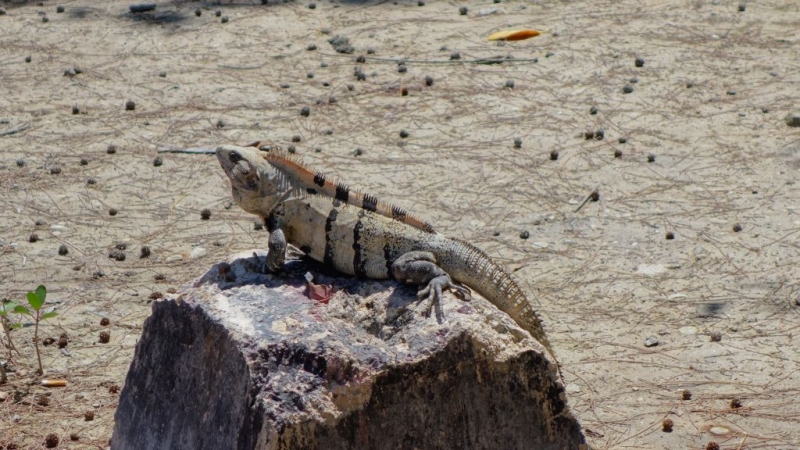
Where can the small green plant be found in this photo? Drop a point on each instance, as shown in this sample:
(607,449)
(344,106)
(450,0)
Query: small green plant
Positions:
(36,300)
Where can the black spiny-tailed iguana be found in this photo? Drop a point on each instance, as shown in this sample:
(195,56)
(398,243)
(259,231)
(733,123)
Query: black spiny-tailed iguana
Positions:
(358,235)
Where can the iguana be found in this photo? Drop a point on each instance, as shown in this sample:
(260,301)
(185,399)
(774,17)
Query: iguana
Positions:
(358,235)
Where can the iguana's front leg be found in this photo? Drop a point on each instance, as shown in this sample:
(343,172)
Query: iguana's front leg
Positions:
(420,268)
(276,257)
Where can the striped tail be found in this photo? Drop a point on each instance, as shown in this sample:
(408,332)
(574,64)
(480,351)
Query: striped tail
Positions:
(469,265)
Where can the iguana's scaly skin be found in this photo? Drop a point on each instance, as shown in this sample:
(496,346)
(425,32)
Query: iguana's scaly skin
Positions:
(358,235)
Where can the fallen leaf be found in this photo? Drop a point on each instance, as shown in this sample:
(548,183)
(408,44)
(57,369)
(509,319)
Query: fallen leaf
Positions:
(513,35)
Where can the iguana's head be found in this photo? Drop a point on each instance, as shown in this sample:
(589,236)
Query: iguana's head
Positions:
(256,186)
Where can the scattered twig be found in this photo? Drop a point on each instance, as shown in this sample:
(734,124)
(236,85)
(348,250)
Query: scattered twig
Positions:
(192,150)
(16,129)
(142,7)
(594,196)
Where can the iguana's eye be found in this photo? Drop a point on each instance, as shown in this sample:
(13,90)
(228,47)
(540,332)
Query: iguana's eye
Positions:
(234,157)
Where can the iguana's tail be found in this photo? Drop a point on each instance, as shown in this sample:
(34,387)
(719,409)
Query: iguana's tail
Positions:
(467,264)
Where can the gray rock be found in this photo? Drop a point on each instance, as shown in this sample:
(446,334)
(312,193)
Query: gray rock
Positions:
(253,363)
(793,118)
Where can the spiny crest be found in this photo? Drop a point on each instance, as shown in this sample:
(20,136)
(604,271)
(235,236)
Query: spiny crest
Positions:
(307,181)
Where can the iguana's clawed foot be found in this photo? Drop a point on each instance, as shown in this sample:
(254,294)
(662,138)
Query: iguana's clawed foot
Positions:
(420,268)
(433,292)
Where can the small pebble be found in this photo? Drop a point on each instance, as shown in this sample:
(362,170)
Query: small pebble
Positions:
(63,250)
(312,6)
(428,80)
(220,123)
(130,105)
(617,153)
(517,142)
(651,341)
(594,196)
(27,59)
(639,62)
(463,10)
(370,51)
(361,59)
(736,403)
(627,89)
(689,84)
(548,54)
(111,149)
(742,7)
(205,214)
(311,47)
(420,3)
(158,161)
(21,162)
(593,110)
(297,138)
(218,13)
(737,227)
(686,394)
(554,155)
(404,92)
(651,157)
(323,64)
(305,111)
(310,75)
(455,55)
(589,134)
(46,19)
(667,425)
(670,235)
(59,9)
(731,92)
(162,74)
(510,84)
(716,336)
(75,109)
(623,140)
(198,12)
(793,119)
(84,162)
(402,69)
(51,441)
(712,446)
(599,135)
(285,86)
(55,170)
(633,80)
(105,336)
(524,235)
(403,134)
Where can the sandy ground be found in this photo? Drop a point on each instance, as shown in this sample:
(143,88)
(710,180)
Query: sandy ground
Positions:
(707,148)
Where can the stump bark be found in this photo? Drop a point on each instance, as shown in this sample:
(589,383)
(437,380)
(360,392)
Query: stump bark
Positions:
(241,360)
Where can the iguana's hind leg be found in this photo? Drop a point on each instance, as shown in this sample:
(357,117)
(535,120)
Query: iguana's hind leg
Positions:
(419,268)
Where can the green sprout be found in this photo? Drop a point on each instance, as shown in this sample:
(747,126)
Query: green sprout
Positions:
(36,300)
